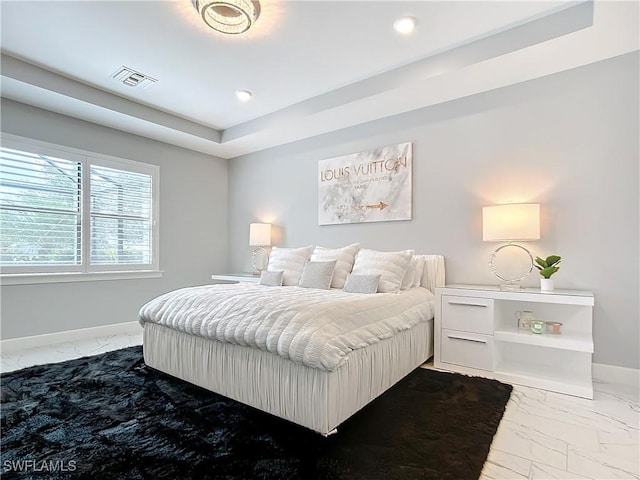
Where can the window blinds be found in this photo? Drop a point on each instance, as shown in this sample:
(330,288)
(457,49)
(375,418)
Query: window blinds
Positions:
(120,216)
(74,214)
(40,209)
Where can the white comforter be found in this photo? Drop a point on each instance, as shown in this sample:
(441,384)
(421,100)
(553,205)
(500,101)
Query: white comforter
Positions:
(317,328)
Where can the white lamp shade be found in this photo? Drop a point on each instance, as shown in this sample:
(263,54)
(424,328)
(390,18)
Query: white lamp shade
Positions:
(511,222)
(260,234)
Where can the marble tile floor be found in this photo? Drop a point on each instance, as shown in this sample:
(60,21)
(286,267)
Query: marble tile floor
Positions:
(547,435)
(15,360)
(543,435)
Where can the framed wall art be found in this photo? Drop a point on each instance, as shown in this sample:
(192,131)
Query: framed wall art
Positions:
(370,186)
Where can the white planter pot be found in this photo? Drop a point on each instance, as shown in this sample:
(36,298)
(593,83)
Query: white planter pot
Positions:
(546,284)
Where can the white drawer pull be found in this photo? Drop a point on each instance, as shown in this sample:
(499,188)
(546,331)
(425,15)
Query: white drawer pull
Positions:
(453,337)
(469,304)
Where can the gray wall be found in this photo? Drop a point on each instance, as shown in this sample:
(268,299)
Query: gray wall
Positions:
(193,234)
(568,142)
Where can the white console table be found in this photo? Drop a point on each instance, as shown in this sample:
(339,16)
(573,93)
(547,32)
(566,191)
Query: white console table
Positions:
(236,277)
(476,333)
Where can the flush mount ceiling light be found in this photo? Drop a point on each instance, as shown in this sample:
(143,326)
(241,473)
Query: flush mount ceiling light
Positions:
(228,16)
(405,25)
(244,95)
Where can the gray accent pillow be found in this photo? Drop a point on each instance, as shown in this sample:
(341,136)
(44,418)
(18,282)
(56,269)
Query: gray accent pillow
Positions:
(344,258)
(362,283)
(271,278)
(317,275)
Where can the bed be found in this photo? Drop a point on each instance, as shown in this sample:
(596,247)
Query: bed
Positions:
(313,357)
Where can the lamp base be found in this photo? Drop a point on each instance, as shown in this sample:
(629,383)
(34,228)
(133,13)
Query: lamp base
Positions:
(510,287)
(260,259)
(511,282)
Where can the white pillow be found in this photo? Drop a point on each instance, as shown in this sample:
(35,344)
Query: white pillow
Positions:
(417,278)
(407,280)
(271,279)
(390,265)
(291,261)
(414,273)
(344,257)
(317,275)
(361,283)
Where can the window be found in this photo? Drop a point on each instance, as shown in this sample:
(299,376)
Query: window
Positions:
(120,217)
(65,211)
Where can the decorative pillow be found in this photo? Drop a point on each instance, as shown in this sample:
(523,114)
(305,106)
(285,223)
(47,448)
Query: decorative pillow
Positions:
(414,273)
(291,261)
(271,278)
(344,257)
(419,270)
(407,280)
(361,283)
(317,274)
(390,265)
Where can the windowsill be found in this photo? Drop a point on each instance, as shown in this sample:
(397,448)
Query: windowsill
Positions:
(34,278)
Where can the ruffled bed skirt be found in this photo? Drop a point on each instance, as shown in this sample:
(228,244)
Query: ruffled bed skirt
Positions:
(316,399)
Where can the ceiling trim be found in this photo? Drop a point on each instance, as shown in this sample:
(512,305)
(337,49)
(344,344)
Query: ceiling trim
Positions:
(541,30)
(28,74)
(481,65)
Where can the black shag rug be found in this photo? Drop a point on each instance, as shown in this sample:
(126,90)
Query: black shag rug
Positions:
(111,416)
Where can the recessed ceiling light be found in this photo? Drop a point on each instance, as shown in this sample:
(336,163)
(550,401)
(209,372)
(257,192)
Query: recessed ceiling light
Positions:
(405,25)
(244,95)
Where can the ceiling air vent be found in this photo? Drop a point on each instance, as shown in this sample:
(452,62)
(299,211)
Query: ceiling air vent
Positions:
(131,78)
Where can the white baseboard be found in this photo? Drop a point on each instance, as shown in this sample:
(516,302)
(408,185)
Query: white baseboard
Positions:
(614,374)
(35,341)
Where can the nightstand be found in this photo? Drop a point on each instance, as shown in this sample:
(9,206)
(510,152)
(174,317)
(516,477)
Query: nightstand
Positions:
(476,332)
(237,277)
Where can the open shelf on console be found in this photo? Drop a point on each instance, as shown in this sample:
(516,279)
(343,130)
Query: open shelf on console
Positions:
(579,342)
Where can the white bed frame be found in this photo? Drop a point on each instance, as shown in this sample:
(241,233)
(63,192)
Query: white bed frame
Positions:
(316,399)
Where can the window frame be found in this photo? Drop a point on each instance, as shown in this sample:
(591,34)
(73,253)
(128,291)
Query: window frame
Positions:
(12,274)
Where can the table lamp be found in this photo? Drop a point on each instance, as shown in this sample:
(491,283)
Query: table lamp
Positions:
(510,223)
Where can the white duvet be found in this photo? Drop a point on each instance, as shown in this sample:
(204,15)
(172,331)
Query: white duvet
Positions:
(317,328)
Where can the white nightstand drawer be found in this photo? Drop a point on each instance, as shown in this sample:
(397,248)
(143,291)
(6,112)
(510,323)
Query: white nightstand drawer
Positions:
(468,314)
(467,349)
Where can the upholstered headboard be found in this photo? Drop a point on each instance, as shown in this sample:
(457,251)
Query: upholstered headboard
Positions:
(433,275)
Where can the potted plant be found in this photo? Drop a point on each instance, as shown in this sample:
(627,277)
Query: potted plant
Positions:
(547,267)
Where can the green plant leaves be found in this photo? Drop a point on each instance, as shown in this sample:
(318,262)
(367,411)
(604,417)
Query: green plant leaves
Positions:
(552,260)
(548,271)
(548,266)
(540,262)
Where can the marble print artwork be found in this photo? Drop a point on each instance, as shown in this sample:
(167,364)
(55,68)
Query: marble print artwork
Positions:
(370,186)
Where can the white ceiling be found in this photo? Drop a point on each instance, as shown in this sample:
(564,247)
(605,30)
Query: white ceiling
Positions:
(313,66)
